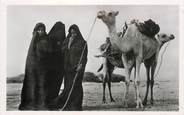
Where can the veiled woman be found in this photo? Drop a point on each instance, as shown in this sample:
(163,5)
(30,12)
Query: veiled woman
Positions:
(72,49)
(55,73)
(33,90)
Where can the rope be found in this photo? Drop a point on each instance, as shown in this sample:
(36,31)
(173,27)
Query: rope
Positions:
(161,60)
(79,64)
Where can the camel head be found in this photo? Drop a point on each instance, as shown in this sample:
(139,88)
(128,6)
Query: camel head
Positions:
(163,38)
(108,18)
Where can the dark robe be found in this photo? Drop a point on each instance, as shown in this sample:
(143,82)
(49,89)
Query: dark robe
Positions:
(55,73)
(33,90)
(71,61)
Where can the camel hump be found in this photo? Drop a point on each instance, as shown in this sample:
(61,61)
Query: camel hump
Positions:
(148,28)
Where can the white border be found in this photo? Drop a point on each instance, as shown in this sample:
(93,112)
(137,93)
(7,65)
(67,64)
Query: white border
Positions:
(3,7)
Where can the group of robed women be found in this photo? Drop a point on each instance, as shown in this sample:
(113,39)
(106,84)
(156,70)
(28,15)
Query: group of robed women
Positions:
(51,58)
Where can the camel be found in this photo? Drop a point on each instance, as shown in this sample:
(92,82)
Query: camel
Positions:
(136,48)
(109,64)
(108,67)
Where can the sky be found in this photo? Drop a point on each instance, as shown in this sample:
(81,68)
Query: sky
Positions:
(22,19)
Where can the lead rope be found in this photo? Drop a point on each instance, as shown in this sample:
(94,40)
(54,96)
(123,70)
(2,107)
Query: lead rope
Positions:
(79,64)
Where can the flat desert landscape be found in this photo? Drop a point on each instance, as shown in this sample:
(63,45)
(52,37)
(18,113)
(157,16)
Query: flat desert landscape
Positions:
(166,96)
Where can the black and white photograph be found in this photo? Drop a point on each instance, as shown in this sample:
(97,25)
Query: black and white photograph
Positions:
(92,57)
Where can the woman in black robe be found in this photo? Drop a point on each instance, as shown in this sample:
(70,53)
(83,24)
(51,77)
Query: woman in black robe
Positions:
(55,74)
(33,90)
(72,50)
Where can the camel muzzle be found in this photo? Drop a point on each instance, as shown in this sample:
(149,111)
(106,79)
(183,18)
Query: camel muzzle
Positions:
(172,37)
(99,16)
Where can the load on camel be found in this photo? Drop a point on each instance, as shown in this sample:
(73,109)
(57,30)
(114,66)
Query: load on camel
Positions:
(135,47)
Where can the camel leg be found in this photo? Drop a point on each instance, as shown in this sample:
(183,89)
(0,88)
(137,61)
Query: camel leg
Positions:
(109,86)
(104,86)
(152,81)
(134,84)
(137,83)
(127,80)
(147,86)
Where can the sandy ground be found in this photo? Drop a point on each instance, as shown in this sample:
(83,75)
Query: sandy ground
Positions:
(166,97)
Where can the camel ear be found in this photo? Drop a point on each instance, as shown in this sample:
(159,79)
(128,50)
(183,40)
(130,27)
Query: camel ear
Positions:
(158,37)
(116,13)
(126,25)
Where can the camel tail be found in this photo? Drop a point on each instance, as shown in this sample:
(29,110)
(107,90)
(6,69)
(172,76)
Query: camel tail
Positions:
(100,68)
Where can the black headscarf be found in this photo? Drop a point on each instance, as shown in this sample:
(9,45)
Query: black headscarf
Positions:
(57,31)
(38,25)
(35,39)
(76,28)
(57,26)
(57,35)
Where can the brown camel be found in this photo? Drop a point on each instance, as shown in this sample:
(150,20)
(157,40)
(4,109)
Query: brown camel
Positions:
(135,47)
(111,61)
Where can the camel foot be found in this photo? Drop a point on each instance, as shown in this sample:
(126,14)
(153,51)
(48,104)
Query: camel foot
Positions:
(144,102)
(104,101)
(141,106)
(126,104)
(152,102)
(139,103)
(112,100)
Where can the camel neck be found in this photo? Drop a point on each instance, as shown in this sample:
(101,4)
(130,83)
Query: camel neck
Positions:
(112,29)
(160,42)
(113,35)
